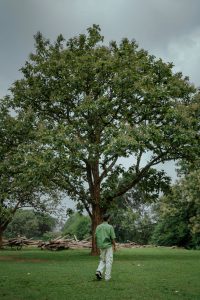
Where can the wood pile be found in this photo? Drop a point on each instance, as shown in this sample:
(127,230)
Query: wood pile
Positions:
(62,244)
(129,245)
(19,242)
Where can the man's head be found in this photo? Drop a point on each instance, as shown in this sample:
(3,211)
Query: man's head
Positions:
(106,217)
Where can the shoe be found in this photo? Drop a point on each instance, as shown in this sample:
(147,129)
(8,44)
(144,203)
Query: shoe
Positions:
(98,275)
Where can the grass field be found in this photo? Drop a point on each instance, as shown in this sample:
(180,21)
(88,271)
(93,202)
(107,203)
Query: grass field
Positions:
(138,274)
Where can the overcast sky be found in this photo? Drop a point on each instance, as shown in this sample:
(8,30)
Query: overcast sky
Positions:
(169,29)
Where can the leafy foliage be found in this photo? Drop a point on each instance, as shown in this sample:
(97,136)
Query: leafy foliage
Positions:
(20,182)
(132,216)
(78,225)
(30,224)
(180,214)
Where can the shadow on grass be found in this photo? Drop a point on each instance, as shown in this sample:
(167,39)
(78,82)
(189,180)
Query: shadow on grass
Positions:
(37,255)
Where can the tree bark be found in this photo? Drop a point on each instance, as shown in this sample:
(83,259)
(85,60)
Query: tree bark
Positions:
(1,237)
(96,220)
(97,211)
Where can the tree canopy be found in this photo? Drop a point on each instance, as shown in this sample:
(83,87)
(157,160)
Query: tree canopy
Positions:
(20,184)
(30,223)
(94,103)
(179,214)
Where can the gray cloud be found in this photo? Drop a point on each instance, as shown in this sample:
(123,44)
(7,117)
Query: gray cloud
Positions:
(167,28)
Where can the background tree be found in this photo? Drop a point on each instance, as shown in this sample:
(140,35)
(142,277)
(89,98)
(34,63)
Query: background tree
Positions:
(132,216)
(179,214)
(179,211)
(78,225)
(30,223)
(20,183)
(97,103)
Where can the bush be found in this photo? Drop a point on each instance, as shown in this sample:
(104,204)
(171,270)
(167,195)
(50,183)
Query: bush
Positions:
(77,225)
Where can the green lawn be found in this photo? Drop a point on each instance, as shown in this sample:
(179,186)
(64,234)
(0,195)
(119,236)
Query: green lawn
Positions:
(148,273)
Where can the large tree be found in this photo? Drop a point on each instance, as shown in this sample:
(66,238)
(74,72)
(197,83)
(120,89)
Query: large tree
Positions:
(97,103)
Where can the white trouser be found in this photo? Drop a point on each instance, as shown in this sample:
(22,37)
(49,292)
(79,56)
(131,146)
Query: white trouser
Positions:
(106,259)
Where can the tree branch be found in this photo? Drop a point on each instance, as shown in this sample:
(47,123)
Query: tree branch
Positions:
(109,168)
(86,207)
(138,162)
(89,177)
(139,176)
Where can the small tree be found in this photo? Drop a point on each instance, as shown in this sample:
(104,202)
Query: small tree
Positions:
(179,214)
(78,225)
(97,103)
(20,184)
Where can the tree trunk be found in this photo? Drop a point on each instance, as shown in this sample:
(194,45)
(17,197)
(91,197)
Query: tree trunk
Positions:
(96,220)
(1,237)
(97,211)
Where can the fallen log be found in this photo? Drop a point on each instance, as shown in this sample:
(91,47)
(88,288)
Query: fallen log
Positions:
(19,242)
(61,244)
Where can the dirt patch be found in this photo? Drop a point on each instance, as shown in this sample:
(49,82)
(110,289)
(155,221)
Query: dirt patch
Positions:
(19,259)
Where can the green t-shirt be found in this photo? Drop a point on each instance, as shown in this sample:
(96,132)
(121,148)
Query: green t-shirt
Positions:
(104,235)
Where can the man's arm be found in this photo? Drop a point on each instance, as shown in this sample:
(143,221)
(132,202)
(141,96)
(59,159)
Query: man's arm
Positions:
(114,245)
(113,237)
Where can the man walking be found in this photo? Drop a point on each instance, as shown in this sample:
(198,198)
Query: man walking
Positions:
(105,239)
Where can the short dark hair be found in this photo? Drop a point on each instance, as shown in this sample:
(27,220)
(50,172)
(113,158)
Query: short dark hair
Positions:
(106,217)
